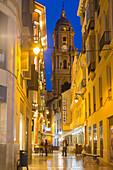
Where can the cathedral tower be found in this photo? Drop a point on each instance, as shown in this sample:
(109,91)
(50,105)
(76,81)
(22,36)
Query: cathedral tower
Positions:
(63,54)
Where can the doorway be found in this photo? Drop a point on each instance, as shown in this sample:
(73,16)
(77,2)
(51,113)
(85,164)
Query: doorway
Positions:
(21,132)
(27,127)
(111,137)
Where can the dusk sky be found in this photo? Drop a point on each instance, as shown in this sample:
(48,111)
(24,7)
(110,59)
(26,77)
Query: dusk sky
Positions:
(53,13)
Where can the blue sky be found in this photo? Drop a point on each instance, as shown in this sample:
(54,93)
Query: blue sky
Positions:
(53,13)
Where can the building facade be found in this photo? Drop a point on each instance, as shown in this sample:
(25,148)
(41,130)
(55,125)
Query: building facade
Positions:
(19,74)
(15,99)
(96,61)
(39,121)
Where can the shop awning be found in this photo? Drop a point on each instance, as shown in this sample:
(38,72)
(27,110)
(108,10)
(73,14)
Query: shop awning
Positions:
(72,132)
(47,134)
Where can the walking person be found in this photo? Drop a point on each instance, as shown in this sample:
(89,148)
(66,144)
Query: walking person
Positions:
(64,148)
(46,145)
(41,147)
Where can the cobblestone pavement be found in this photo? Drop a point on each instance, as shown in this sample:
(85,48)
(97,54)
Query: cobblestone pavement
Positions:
(56,161)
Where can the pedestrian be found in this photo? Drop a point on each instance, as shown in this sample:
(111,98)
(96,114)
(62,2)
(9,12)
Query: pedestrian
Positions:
(64,148)
(41,147)
(46,145)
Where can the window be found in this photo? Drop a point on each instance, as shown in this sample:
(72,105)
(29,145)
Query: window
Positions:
(99,57)
(60,65)
(57,126)
(64,40)
(109,78)
(68,65)
(107,22)
(87,13)
(57,61)
(64,64)
(89,105)
(100,91)
(64,29)
(101,139)
(78,113)
(90,139)
(92,10)
(21,81)
(85,108)
(2,58)
(3,38)
(94,139)
(94,101)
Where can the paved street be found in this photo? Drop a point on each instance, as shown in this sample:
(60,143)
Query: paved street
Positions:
(56,161)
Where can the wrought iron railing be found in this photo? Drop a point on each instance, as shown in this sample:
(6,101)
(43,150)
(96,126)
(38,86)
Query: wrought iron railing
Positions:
(91,67)
(106,39)
(83,83)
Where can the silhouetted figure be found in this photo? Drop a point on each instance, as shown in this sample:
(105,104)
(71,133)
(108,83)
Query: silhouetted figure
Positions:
(41,147)
(46,147)
(64,148)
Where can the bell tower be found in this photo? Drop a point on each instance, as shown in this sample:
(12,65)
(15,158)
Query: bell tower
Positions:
(63,54)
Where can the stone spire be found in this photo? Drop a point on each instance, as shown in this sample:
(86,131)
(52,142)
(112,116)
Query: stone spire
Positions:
(63,12)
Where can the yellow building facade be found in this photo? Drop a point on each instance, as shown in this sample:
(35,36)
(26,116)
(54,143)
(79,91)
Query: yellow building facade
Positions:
(21,95)
(95,65)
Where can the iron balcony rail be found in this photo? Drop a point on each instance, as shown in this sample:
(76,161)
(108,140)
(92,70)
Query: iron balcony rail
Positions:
(83,83)
(106,39)
(91,67)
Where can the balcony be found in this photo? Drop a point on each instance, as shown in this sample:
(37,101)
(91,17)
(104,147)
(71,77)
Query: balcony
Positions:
(105,40)
(90,27)
(83,51)
(33,83)
(105,43)
(83,85)
(97,7)
(91,69)
(101,101)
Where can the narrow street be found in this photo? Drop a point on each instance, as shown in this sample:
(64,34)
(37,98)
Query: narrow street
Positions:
(57,161)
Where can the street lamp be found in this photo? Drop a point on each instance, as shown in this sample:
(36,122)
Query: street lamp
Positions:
(36,50)
(77,96)
(47,112)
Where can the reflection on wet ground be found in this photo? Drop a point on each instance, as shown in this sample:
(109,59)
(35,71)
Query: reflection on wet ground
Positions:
(56,161)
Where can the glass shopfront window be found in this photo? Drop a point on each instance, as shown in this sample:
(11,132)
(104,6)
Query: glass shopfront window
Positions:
(101,139)
(111,138)
(94,139)
(90,139)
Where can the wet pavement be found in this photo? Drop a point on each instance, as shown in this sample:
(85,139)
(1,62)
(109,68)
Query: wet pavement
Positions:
(56,161)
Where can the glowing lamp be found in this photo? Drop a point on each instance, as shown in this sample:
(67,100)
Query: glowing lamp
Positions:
(76,100)
(36,50)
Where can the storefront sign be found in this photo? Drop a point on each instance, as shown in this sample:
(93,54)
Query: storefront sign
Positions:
(64,110)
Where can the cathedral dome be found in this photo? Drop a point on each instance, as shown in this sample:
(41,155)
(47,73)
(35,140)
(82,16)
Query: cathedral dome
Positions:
(63,21)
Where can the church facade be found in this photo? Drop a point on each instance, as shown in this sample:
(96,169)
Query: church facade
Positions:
(62,55)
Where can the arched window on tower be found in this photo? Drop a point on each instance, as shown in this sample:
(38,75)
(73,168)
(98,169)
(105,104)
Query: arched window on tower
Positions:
(64,40)
(64,64)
